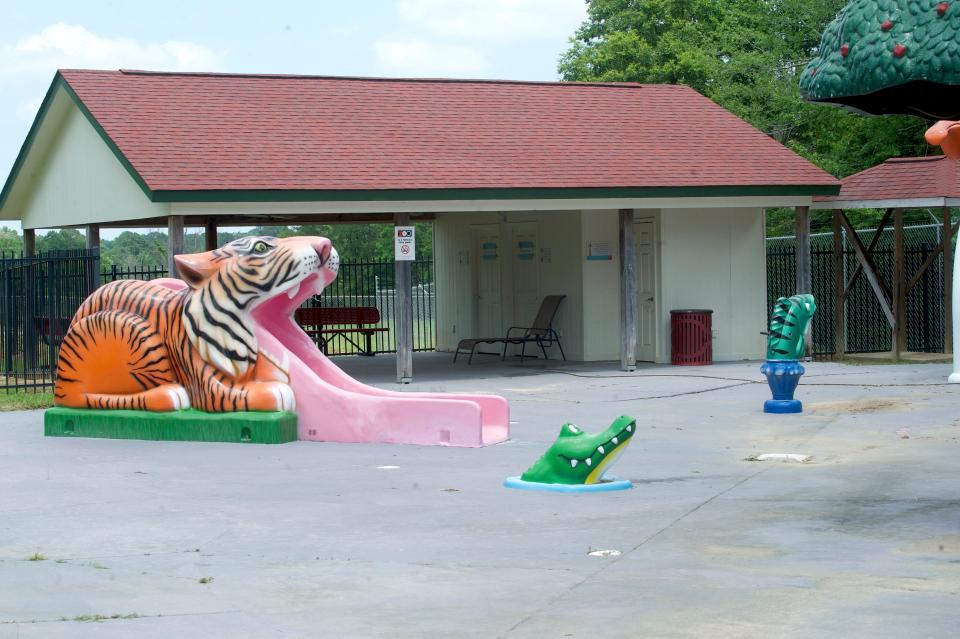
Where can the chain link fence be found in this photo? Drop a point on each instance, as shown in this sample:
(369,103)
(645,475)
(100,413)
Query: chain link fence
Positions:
(867,329)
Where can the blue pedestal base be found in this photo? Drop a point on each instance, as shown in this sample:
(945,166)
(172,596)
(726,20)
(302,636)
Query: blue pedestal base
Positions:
(783,375)
(783,406)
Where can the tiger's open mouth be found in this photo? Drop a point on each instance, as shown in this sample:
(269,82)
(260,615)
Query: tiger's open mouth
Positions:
(285,301)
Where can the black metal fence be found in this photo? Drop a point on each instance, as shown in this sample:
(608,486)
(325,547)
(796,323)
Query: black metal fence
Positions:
(39,295)
(371,284)
(866,326)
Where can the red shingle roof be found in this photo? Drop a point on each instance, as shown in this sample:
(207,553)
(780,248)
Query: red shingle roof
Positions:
(901,179)
(239,132)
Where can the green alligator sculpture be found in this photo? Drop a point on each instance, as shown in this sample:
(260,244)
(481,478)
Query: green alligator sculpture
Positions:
(579,458)
(788,325)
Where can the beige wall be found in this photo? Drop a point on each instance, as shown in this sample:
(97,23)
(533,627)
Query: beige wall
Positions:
(557,255)
(715,259)
(707,258)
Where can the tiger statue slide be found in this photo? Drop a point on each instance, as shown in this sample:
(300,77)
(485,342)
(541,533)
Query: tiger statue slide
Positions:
(223,339)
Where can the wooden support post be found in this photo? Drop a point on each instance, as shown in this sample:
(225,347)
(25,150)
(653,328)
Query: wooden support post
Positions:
(210,235)
(839,297)
(869,269)
(873,244)
(403,310)
(174,242)
(93,244)
(899,337)
(947,282)
(628,292)
(29,243)
(804,265)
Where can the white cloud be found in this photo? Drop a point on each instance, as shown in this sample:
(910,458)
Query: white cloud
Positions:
(417,57)
(495,18)
(73,46)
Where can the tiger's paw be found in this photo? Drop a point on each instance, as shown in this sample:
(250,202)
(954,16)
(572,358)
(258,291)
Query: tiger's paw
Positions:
(179,397)
(270,396)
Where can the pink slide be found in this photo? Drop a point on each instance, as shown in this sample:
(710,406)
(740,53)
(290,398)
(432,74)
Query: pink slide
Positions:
(331,406)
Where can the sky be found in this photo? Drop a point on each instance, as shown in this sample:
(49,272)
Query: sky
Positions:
(503,39)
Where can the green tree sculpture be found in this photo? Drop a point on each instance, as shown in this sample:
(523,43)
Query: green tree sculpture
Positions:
(890,56)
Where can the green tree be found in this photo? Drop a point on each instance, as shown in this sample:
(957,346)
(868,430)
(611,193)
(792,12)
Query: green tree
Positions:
(61,240)
(745,55)
(10,241)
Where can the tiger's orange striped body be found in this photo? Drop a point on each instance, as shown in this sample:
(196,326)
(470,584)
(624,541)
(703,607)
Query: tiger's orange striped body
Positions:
(139,345)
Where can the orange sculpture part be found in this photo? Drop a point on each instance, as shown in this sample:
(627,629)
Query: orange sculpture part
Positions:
(946,135)
(139,345)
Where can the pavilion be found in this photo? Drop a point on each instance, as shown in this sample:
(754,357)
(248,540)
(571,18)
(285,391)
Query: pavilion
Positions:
(631,200)
(895,185)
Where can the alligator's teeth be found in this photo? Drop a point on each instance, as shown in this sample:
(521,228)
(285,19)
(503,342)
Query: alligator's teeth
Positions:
(601,450)
(629,429)
(573,463)
(589,461)
(615,441)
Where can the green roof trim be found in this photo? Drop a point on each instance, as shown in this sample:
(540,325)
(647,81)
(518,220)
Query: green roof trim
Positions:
(60,83)
(394,195)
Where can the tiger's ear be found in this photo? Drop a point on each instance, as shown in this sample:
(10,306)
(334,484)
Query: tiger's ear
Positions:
(196,268)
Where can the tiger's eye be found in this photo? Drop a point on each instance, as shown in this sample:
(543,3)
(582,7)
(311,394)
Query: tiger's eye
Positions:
(260,248)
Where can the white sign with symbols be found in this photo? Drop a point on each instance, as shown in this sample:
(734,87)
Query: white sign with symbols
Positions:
(404,244)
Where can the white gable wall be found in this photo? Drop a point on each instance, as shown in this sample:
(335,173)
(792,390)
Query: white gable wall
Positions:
(79,181)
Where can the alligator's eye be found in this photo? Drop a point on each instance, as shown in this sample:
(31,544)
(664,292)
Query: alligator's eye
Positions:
(260,248)
(569,430)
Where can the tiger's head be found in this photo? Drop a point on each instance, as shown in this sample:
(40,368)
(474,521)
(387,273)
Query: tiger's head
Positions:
(229,282)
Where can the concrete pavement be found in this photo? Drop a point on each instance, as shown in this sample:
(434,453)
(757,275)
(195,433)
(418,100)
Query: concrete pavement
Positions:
(336,540)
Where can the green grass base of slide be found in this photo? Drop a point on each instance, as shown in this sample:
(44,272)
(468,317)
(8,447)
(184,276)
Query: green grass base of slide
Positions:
(180,426)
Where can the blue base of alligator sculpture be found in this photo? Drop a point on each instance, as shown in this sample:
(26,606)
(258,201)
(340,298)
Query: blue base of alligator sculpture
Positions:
(604,485)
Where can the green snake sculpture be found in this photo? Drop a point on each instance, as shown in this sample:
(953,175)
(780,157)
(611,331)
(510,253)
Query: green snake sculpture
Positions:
(578,458)
(788,326)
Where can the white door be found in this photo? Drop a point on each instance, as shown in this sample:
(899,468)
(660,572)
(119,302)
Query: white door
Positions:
(488,313)
(646,290)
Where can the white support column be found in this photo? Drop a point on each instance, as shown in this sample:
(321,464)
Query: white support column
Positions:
(174,242)
(403,310)
(628,292)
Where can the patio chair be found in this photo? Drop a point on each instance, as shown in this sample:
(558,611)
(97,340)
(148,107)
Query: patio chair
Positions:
(541,333)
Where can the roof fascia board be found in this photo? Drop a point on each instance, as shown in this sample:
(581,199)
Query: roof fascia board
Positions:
(905,203)
(294,209)
(388,195)
(60,83)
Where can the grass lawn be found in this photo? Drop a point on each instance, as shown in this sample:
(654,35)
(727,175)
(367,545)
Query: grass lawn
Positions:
(25,401)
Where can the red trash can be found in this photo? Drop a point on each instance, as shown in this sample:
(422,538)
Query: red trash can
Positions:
(691,337)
